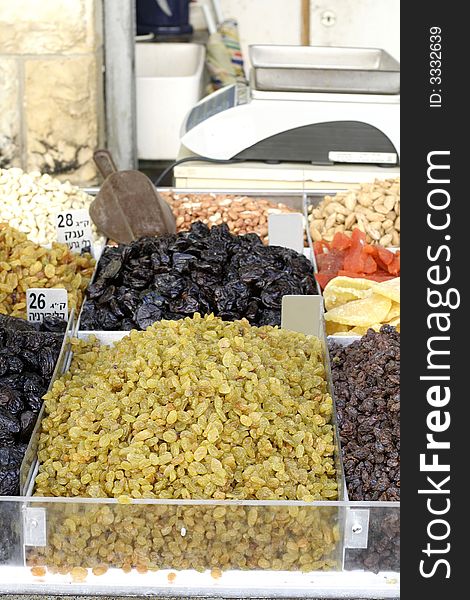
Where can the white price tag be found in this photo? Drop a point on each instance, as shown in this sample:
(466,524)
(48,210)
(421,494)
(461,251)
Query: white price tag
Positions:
(74,229)
(46,302)
(286,230)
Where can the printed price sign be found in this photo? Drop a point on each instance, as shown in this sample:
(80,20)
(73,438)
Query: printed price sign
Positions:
(74,229)
(46,302)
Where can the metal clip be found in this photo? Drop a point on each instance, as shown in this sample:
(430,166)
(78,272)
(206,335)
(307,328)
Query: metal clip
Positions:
(356,528)
(34,521)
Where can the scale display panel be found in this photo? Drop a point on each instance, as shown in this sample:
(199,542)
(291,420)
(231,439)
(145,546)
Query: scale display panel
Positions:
(215,103)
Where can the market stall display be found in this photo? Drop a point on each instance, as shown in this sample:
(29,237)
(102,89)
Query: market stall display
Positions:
(201,270)
(25,264)
(30,202)
(353,305)
(206,409)
(350,256)
(242,214)
(374,208)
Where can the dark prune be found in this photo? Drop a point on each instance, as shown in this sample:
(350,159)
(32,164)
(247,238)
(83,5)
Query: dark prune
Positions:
(147,314)
(15,364)
(201,270)
(107,295)
(46,361)
(54,324)
(112,269)
(168,285)
(9,427)
(9,481)
(182,262)
(11,400)
(106,319)
(27,423)
(3,364)
(29,357)
(12,456)
(7,394)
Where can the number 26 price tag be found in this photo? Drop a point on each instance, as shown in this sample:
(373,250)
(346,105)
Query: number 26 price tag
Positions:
(74,229)
(46,302)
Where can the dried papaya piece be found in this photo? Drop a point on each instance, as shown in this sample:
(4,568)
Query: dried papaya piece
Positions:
(341,241)
(385,255)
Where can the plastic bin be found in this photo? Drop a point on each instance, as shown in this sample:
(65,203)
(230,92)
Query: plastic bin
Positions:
(169,81)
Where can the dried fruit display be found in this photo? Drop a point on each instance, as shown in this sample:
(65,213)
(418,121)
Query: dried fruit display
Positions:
(351,256)
(374,208)
(366,380)
(216,538)
(354,305)
(24,264)
(242,214)
(195,408)
(202,270)
(30,202)
(27,361)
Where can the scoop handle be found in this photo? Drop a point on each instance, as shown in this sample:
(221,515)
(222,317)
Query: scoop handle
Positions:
(104,161)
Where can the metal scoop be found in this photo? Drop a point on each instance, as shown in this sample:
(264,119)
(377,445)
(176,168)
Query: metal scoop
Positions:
(128,205)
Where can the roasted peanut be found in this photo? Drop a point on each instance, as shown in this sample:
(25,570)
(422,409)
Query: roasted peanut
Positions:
(241,213)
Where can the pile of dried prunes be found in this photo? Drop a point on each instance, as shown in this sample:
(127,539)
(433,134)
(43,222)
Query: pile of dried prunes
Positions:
(28,354)
(201,270)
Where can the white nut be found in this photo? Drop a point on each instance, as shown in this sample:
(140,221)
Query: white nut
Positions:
(386,240)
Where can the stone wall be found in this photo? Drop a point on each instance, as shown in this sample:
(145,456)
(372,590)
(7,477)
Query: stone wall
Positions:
(51,86)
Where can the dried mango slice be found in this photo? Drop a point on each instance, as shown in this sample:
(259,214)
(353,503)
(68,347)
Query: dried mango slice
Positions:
(394,312)
(341,290)
(333,328)
(388,289)
(358,330)
(337,297)
(362,312)
(357,283)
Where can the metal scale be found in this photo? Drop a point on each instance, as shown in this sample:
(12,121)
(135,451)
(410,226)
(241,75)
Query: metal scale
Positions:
(319,105)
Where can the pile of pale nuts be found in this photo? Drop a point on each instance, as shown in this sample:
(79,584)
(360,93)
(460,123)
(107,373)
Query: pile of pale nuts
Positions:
(30,201)
(374,208)
(241,213)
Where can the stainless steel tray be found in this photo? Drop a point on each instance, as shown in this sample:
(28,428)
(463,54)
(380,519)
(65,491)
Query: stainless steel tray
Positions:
(324,69)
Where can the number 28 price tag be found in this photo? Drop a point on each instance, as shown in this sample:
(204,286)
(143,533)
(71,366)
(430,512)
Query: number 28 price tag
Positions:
(74,229)
(46,302)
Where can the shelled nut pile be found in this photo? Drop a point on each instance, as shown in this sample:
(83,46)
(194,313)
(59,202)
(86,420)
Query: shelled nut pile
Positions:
(242,214)
(30,201)
(374,208)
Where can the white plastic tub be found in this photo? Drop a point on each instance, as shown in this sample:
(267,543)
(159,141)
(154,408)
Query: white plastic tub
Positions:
(169,81)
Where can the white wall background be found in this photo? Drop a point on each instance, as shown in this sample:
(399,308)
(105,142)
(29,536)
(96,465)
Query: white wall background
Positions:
(366,23)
